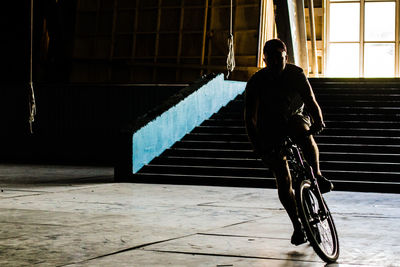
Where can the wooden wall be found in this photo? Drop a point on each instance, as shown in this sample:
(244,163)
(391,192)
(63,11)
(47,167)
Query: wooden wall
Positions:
(319,13)
(162,40)
(75,123)
(87,56)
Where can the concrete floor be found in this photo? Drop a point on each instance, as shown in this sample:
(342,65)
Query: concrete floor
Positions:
(76,216)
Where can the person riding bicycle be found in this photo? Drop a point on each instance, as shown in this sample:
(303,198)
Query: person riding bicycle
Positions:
(275,98)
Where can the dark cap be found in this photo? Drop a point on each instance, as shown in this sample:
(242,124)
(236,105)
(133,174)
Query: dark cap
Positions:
(272,45)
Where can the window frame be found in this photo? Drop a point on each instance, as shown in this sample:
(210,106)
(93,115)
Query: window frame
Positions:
(362,41)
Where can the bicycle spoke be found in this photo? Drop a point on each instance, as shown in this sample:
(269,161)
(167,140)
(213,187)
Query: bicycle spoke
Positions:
(318,223)
(326,240)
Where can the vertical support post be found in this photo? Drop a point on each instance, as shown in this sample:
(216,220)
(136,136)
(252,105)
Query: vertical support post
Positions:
(262,38)
(362,28)
(135,30)
(112,46)
(290,24)
(314,63)
(157,44)
(325,35)
(210,36)
(203,49)
(396,42)
(179,53)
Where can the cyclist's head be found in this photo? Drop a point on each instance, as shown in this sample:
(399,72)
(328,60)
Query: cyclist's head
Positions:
(275,55)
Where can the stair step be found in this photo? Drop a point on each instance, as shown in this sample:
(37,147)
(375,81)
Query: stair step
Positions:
(342,108)
(363,124)
(328,114)
(363,117)
(362,132)
(216,153)
(237,181)
(209,161)
(207,170)
(361,148)
(375,140)
(246,147)
(380,95)
(345,165)
(362,176)
(351,155)
(216,137)
(328,131)
(341,101)
(360,157)
(333,103)
(330,123)
(361,109)
(214,145)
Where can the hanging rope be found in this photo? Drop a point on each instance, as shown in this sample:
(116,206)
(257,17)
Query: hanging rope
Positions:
(32,102)
(230,61)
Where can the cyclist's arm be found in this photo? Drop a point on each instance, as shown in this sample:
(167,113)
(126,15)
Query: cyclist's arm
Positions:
(311,103)
(249,115)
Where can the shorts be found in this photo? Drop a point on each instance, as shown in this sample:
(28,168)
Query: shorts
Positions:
(272,149)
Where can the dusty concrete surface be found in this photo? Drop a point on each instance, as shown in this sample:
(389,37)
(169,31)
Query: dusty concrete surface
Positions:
(76,216)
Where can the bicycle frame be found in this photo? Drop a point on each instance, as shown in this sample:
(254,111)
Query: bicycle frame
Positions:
(300,171)
(312,209)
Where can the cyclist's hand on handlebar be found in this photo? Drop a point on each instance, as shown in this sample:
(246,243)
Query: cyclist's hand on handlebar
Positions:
(317,127)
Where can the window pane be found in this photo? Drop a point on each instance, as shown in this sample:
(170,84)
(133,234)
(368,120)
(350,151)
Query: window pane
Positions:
(380,21)
(344,22)
(343,60)
(379,60)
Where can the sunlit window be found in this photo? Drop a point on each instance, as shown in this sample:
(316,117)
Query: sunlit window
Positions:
(344,22)
(343,60)
(379,60)
(362,39)
(380,21)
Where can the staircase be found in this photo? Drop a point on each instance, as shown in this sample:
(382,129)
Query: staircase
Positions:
(360,149)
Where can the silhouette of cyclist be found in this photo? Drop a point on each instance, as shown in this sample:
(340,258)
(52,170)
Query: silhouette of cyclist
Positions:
(275,102)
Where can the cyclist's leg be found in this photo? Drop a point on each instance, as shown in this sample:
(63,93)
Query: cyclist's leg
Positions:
(280,169)
(298,127)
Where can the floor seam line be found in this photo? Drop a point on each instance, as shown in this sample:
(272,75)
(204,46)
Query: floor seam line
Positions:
(244,236)
(225,255)
(129,249)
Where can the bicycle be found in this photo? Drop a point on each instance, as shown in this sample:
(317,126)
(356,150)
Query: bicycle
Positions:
(313,211)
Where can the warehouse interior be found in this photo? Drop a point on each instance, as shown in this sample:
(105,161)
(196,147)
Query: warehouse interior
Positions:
(81,77)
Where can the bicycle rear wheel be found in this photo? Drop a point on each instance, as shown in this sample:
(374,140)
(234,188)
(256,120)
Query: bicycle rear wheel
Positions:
(319,227)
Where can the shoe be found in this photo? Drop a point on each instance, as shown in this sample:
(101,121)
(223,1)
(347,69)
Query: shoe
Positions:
(298,238)
(324,184)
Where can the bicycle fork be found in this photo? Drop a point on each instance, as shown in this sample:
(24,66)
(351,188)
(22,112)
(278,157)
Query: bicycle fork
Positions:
(323,211)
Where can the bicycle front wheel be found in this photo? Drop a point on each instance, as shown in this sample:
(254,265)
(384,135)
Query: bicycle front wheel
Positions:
(317,222)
